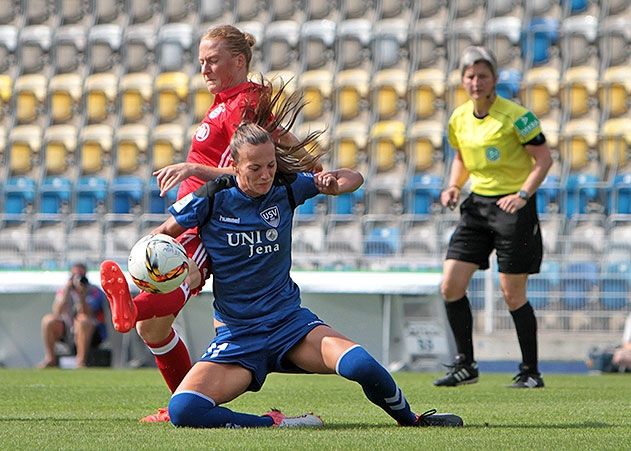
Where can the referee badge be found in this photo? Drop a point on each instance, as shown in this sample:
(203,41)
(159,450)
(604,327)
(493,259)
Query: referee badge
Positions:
(492,153)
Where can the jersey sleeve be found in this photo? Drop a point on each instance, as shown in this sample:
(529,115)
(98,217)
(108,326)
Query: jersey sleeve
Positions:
(451,134)
(304,187)
(527,126)
(191,210)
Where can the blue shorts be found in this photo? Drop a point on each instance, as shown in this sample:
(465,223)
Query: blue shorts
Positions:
(261,348)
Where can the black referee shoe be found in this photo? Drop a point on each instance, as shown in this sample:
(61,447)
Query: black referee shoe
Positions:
(459,373)
(526,378)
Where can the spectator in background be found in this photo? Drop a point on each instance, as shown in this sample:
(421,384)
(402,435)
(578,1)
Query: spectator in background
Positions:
(622,355)
(77,318)
(500,146)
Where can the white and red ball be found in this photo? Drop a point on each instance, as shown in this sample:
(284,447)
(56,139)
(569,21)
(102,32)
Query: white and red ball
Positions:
(158,264)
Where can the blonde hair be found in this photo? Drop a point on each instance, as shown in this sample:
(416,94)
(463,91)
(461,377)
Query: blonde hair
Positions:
(237,41)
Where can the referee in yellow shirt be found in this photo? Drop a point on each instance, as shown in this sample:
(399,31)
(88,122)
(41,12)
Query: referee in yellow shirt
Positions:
(500,147)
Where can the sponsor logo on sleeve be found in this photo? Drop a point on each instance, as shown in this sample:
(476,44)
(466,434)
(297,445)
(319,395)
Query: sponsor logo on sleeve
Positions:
(183,202)
(217,111)
(526,124)
(202,132)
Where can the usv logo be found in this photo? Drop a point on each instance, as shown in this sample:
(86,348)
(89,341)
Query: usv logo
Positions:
(271,216)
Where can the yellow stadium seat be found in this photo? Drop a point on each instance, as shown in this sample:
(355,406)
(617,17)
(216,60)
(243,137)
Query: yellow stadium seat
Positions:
(426,89)
(132,141)
(456,93)
(351,87)
(539,86)
(386,139)
(135,91)
(576,139)
(614,91)
(550,129)
(100,96)
(30,92)
(25,142)
(64,95)
(350,142)
(423,140)
(96,144)
(201,98)
(6,91)
(577,87)
(168,141)
(172,92)
(615,139)
(316,85)
(60,142)
(388,88)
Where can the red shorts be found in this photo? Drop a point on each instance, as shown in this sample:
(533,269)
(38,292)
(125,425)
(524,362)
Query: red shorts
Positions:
(196,251)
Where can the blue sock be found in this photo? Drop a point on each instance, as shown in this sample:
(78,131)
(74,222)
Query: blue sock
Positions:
(192,409)
(378,385)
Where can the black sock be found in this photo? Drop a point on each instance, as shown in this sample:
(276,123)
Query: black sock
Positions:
(461,322)
(526,326)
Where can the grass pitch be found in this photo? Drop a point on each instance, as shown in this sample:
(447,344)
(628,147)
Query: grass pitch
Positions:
(99,409)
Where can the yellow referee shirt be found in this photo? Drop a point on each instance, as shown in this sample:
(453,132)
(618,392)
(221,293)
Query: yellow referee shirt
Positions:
(492,148)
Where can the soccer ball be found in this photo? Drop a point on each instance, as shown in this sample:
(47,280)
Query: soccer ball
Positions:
(157,264)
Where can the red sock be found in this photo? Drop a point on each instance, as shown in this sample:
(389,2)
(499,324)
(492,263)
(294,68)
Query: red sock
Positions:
(151,305)
(172,358)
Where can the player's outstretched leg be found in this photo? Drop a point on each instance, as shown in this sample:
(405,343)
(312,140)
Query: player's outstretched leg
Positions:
(114,284)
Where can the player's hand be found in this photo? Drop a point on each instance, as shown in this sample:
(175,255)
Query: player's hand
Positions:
(449,197)
(327,183)
(511,203)
(169,176)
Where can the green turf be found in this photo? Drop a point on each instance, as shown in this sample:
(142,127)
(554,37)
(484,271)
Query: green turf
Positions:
(99,409)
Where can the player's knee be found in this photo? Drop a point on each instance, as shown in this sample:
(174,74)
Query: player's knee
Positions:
(185,409)
(155,330)
(358,365)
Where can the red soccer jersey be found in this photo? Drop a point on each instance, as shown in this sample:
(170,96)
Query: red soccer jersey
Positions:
(209,145)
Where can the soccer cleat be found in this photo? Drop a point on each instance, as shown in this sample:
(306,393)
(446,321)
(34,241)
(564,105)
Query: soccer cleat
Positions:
(459,373)
(162,416)
(114,284)
(431,418)
(526,378)
(308,420)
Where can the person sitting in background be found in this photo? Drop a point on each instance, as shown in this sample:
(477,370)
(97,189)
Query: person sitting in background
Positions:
(622,356)
(77,318)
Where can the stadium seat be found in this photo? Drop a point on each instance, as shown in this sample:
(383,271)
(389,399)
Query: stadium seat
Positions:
(387,94)
(614,140)
(308,240)
(99,99)
(578,138)
(350,142)
(171,91)
(615,281)
(104,42)
(280,45)
(317,40)
(497,8)
(620,197)
(353,38)
(502,37)
(167,145)
(54,196)
(64,96)
(34,43)
(456,95)
(177,10)
(316,86)
(30,96)
(578,90)
(8,12)
(549,195)
(614,91)
(24,146)
(538,37)
(381,240)
(131,148)
(351,94)
(279,78)
(135,94)
(578,36)
(200,98)
(581,189)
(126,193)
(213,11)
(90,196)
(138,48)
(427,46)
(578,280)
(422,193)
(347,205)
(344,237)
(386,162)
(6,94)
(426,91)
(67,49)
(95,147)
(157,204)
(60,142)
(285,10)
(508,83)
(540,86)
(419,237)
(140,11)
(311,209)
(614,39)
(8,46)
(105,11)
(389,44)
(19,196)
(70,11)
(543,286)
(461,34)
(175,42)
(256,29)
(424,140)
(586,236)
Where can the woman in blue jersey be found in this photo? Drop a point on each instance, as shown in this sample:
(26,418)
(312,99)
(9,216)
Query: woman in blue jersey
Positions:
(500,148)
(245,221)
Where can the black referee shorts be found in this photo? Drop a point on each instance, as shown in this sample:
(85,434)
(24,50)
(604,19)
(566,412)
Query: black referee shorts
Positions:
(483,227)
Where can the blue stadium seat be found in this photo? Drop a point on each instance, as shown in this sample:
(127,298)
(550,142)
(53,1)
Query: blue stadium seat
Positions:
(548,193)
(580,189)
(345,204)
(537,39)
(54,193)
(309,209)
(90,192)
(422,191)
(159,204)
(576,6)
(508,83)
(19,193)
(577,282)
(615,284)
(382,241)
(620,195)
(126,191)
(542,286)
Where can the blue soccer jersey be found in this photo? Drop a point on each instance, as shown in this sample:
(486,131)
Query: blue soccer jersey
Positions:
(249,242)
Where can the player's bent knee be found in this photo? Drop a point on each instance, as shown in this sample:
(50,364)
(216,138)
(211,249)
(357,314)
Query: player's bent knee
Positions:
(358,365)
(186,409)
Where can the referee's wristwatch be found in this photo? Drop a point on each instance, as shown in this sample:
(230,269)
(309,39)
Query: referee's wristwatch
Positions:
(523,195)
